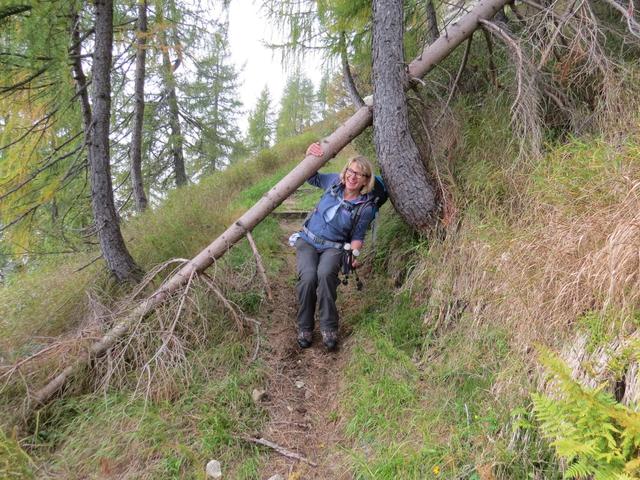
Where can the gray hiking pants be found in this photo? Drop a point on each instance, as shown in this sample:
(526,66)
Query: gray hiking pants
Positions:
(317,281)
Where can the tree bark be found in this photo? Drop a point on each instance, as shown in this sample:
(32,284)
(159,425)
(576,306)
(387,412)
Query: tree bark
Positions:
(432,23)
(172,101)
(411,190)
(138,113)
(331,145)
(112,244)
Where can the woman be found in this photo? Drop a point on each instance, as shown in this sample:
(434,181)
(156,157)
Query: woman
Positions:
(319,246)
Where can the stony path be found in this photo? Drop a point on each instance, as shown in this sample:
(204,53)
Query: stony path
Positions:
(302,392)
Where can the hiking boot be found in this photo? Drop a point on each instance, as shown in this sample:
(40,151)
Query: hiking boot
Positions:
(304,339)
(330,339)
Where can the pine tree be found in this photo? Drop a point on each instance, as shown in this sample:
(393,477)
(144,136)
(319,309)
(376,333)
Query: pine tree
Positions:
(297,107)
(260,129)
(211,102)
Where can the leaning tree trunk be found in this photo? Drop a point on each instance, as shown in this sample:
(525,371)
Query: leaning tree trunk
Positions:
(106,219)
(411,190)
(138,113)
(332,144)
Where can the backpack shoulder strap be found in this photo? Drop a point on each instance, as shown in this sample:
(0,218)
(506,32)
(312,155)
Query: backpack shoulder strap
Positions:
(331,190)
(357,213)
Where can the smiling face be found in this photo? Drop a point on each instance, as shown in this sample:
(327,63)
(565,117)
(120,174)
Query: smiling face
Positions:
(355,177)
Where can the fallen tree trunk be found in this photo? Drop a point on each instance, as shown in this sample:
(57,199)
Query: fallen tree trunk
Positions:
(331,145)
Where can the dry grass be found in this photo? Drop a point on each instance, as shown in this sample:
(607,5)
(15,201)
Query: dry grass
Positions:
(572,248)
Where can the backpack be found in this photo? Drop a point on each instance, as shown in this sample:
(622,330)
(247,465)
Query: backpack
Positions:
(379,195)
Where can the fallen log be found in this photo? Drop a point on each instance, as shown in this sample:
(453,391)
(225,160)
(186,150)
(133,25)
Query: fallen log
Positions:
(331,146)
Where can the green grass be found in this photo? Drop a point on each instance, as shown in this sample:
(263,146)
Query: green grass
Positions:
(419,401)
(15,464)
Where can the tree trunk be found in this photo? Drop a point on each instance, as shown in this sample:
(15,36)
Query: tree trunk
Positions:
(410,188)
(138,113)
(331,145)
(216,112)
(172,101)
(349,83)
(432,23)
(112,244)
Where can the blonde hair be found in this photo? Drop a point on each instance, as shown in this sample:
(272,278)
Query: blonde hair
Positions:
(365,167)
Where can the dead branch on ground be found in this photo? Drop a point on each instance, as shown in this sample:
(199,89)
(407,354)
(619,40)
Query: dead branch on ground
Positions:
(260,265)
(281,450)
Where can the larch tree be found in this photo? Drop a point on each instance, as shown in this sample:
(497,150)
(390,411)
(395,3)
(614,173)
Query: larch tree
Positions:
(176,138)
(107,223)
(137,183)
(260,130)
(297,106)
(211,105)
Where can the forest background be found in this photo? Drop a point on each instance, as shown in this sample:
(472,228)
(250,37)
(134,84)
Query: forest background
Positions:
(527,134)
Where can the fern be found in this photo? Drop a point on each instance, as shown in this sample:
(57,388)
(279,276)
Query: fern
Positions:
(597,436)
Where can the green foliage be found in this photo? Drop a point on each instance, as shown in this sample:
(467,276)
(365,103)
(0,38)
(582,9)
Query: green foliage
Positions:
(482,163)
(297,106)
(211,100)
(260,131)
(596,435)
(42,302)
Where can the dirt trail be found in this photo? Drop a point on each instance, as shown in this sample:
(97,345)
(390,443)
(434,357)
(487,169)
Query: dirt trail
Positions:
(302,393)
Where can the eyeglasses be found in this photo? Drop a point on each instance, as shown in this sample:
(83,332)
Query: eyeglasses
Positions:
(358,175)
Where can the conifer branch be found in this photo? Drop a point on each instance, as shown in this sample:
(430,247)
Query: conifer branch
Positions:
(13,10)
(22,83)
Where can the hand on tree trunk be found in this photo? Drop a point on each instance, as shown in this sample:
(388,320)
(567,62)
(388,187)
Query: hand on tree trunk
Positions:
(315,149)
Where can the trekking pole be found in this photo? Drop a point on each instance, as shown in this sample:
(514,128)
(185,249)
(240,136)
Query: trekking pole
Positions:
(347,259)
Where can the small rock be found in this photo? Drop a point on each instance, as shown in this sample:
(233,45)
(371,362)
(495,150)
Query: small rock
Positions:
(289,408)
(307,394)
(277,476)
(258,395)
(299,384)
(214,470)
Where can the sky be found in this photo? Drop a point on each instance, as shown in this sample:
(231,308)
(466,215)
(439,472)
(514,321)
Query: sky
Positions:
(247,29)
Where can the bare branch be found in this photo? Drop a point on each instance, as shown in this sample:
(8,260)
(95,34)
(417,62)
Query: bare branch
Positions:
(260,265)
(463,63)
(19,85)
(632,23)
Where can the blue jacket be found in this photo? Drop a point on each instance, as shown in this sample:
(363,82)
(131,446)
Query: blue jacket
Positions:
(339,228)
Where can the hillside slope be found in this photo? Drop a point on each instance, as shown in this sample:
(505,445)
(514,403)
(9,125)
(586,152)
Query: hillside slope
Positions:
(440,353)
